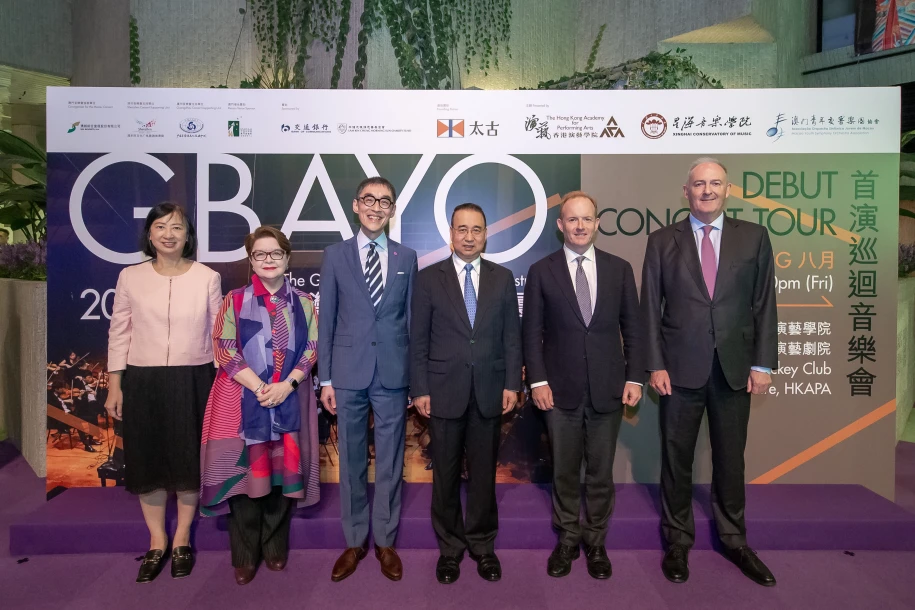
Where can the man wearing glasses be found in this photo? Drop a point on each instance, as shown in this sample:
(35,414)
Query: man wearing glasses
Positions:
(363,347)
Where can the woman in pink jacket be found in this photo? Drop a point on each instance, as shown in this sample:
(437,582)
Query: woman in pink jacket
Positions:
(161,364)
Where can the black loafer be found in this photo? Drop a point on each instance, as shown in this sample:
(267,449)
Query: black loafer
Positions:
(560,562)
(752,566)
(151,565)
(182,561)
(599,566)
(448,569)
(488,566)
(675,565)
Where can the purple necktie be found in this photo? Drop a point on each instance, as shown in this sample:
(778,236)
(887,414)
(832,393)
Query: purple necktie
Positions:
(709,266)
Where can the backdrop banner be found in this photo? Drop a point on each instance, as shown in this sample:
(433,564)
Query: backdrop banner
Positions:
(818,167)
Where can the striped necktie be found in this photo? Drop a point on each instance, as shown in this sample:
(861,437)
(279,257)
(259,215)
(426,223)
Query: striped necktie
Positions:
(583,291)
(373,275)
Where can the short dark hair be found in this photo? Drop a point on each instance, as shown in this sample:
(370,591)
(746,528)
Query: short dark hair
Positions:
(469,206)
(7,231)
(161,211)
(380,182)
(266,231)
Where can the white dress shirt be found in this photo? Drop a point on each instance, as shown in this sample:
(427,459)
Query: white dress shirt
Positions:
(589,265)
(715,237)
(381,247)
(474,273)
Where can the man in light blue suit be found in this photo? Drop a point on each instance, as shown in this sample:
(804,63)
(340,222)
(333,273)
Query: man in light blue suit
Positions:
(363,363)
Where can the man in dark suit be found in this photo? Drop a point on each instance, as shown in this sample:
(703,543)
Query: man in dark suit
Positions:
(708,295)
(363,363)
(577,303)
(465,373)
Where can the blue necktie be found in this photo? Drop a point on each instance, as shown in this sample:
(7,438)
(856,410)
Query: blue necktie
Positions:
(470,296)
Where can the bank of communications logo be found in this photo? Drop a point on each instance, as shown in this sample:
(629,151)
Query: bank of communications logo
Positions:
(654,126)
(612,130)
(450,128)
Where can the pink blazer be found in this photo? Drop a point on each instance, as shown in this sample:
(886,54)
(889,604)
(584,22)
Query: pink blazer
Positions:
(163,321)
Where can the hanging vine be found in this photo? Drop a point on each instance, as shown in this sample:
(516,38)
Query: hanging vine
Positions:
(283,30)
(345,6)
(426,40)
(134,51)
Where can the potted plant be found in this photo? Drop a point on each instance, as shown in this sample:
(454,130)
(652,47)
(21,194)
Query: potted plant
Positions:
(23,297)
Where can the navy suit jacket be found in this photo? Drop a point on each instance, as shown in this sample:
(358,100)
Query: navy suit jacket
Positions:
(353,338)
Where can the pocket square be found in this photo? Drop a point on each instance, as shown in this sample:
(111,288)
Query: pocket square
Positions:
(400,273)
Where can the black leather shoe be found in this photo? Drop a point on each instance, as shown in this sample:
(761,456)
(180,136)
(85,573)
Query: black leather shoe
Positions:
(675,564)
(488,566)
(88,448)
(95,442)
(151,565)
(560,561)
(751,565)
(182,561)
(448,569)
(598,563)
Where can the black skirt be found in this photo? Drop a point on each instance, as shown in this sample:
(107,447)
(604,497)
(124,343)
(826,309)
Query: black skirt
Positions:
(163,422)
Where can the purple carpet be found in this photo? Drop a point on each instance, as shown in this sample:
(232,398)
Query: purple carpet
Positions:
(797,517)
(806,579)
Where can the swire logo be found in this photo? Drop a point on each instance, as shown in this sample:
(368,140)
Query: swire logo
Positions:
(450,128)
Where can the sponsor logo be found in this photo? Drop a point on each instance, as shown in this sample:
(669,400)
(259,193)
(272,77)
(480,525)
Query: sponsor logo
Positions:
(717,125)
(341,128)
(654,126)
(365,128)
(82,126)
(191,125)
(146,129)
(775,131)
(450,128)
(235,130)
(305,128)
(612,130)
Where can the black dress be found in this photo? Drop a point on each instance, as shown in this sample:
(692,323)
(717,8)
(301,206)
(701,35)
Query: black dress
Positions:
(163,421)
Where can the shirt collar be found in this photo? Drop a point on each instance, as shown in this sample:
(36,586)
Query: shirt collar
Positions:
(571,256)
(697,224)
(261,291)
(459,263)
(363,241)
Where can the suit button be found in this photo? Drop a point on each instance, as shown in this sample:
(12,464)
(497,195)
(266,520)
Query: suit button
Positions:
(472,342)
(373,344)
(711,332)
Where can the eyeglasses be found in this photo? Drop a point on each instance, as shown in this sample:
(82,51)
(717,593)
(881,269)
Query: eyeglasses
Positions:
(463,231)
(260,255)
(369,201)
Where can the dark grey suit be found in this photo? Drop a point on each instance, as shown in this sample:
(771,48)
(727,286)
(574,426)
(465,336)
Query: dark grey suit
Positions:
(464,370)
(708,345)
(587,367)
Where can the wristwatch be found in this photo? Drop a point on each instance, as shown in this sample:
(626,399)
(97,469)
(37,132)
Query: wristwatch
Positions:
(291,381)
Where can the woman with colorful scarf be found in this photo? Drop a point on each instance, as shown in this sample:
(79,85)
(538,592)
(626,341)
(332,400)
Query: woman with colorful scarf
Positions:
(260,433)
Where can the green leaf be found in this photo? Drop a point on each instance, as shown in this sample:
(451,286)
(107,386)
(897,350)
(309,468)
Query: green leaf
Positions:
(25,193)
(14,145)
(36,174)
(907,193)
(907,213)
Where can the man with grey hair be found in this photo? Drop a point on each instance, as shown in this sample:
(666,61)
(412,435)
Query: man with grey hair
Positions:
(708,298)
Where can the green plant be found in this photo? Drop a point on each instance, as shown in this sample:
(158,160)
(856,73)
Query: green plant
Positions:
(23,206)
(592,56)
(341,43)
(284,30)
(669,70)
(134,51)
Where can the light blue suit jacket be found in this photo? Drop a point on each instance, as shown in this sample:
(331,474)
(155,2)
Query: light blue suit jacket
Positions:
(352,337)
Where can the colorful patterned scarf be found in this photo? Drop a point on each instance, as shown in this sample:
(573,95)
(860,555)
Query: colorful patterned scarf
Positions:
(255,338)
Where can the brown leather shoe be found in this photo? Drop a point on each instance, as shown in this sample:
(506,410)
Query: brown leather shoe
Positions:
(245,575)
(275,565)
(390,562)
(347,562)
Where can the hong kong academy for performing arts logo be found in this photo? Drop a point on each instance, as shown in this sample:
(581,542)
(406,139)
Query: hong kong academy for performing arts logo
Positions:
(654,126)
